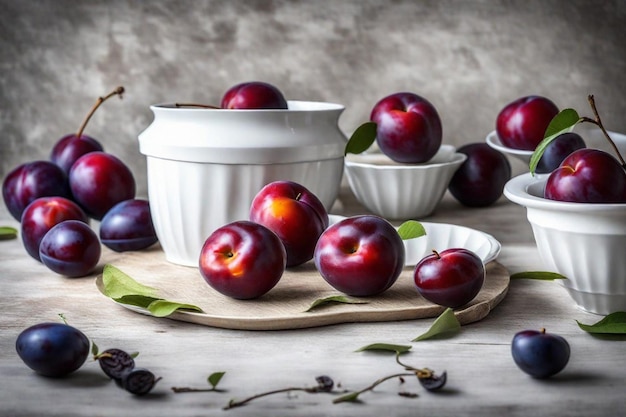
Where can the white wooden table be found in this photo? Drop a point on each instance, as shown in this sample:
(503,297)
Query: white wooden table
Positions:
(482,377)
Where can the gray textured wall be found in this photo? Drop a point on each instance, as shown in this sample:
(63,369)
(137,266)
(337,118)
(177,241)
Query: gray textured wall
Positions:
(469,58)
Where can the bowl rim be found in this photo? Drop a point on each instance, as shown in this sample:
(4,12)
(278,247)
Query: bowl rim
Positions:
(516,190)
(293,106)
(493,140)
(456,159)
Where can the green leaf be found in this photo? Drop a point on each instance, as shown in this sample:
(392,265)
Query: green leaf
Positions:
(7,232)
(94,349)
(362,138)
(411,229)
(385,347)
(540,275)
(445,323)
(125,290)
(215,378)
(117,284)
(614,323)
(136,300)
(563,122)
(333,299)
(350,397)
(163,308)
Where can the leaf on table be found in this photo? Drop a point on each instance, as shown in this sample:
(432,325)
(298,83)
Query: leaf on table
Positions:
(387,347)
(340,299)
(350,397)
(411,229)
(117,284)
(142,301)
(445,323)
(614,323)
(215,378)
(163,308)
(7,232)
(540,275)
(361,139)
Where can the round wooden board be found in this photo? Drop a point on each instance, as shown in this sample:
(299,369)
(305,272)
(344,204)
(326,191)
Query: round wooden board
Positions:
(284,307)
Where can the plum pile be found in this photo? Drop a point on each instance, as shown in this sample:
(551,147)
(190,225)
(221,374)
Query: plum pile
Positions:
(54,201)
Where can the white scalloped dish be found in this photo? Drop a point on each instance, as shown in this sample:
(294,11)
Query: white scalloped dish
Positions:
(442,236)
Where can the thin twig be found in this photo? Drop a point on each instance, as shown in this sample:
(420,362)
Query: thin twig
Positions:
(598,122)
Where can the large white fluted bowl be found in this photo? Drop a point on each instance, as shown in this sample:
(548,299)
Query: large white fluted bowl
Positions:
(584,242)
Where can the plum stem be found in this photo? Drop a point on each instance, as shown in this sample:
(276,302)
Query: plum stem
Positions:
(377,383)
(598,122)
(118,91)
(436,254)
(311,390)
(203,106)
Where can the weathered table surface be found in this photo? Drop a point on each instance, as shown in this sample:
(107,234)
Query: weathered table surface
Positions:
(482,377)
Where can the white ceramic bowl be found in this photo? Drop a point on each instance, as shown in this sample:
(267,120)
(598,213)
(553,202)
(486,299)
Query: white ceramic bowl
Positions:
(442,236)
(206,165)
(584,242)
(593,137)
(493,140)
(401,191)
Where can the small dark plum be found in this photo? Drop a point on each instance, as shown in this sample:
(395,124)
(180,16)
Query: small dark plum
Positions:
(98,181)
(451,278)
(540,354)
(480,180)
(43,214)
(32,180)
(115,363)
(52,349)
(71,248)
(558,150)
(128,226)
(139,381)
(71,147)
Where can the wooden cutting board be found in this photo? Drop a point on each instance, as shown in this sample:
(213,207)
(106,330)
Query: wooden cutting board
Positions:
(284,307)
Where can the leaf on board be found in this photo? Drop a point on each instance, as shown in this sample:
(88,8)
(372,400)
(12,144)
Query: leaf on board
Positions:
(338,299)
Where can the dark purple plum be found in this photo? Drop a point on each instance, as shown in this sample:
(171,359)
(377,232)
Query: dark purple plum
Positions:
(71,248)
(115,363)
(540,354)
(558,150)
(128,226)
(32,180)
(70,147)
(480,180)
(139,381)
(43,214)
(52,349)
(98,181)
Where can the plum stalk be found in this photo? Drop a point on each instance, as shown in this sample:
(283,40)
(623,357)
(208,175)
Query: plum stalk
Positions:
(598,122)
(117,92)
